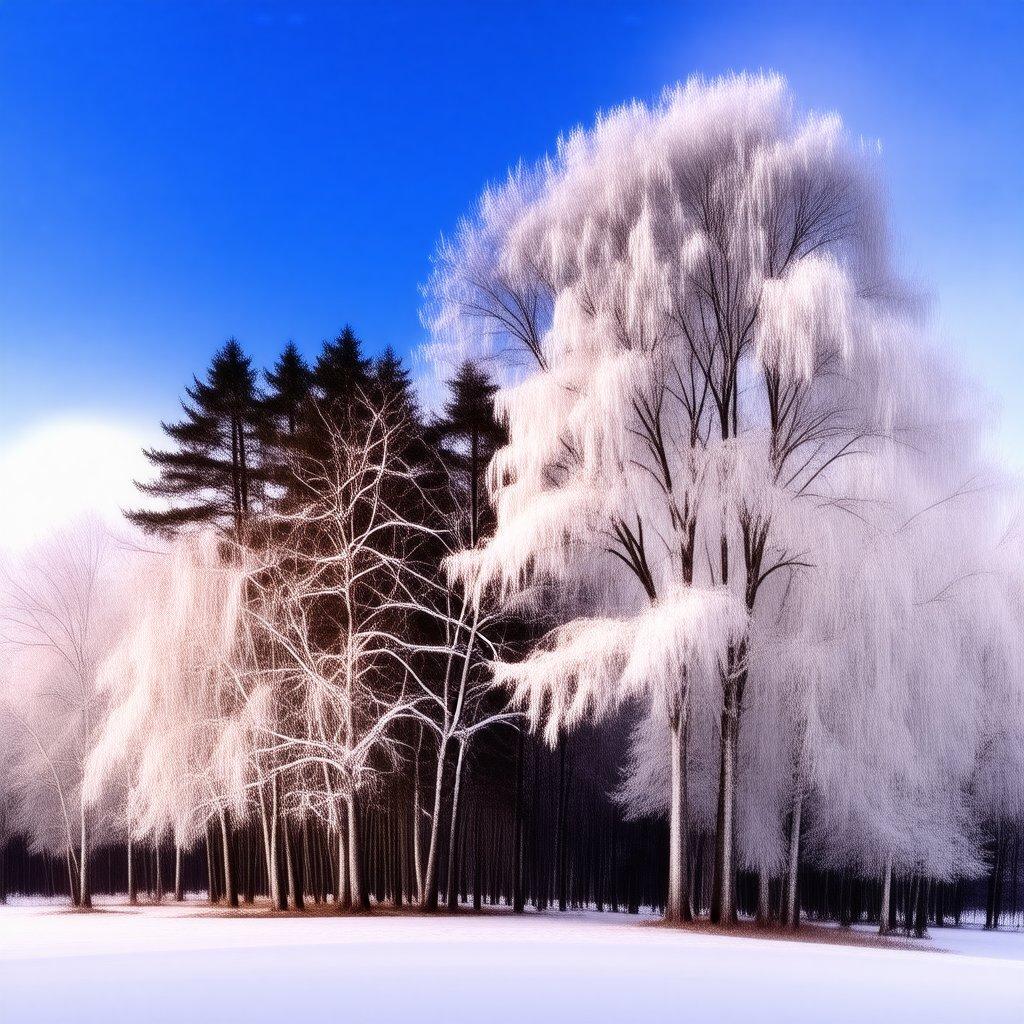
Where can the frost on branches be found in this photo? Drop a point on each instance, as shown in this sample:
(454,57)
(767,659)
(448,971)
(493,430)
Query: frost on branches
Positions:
(757,497)
(743,552)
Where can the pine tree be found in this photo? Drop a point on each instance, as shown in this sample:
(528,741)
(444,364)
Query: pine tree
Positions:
(290,381)
(213,474)
(391,384)
(470,435)
(341,374)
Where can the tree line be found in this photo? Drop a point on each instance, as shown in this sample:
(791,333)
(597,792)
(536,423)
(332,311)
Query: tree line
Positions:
(696,592)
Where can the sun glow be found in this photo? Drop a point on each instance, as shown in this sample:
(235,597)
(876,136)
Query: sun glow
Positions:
(60,469)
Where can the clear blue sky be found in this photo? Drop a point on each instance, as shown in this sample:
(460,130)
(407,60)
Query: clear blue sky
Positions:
(172,174)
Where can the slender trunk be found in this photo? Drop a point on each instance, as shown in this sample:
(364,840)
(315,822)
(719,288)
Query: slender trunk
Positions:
(211,872)
(764,905)
(358,895)
(230,889)
(518,899)
(179,891)
(791,909)
(294,887)
(430,891)
(265,830)
(84,893)
(884,926)
(342,894)
(133,895)
(723,903)
(921,911)
(560,835)
(453,897)
(158,876)
(677,907)
(417,815)
(72,878)
(994,882)
(277,893)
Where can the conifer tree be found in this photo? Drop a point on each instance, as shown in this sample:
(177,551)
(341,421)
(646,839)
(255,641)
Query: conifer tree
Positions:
(341,373)
(290,381)
(213,475)
(470,434)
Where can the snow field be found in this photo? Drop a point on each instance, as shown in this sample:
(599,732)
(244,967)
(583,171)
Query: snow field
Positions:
(176,964)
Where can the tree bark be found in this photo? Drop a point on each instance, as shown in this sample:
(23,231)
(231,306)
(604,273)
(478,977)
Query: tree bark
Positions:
(358,896)
(791,908)
(560,852)
(84,892)
(921,912)
(677,907)
(179,891)
(723,901)
(518,899)
(230,888)
(157,874)
(342,895)
(417,815)
(453,894)
(294,891)
(763,917)
(884,926)
(430,890)
(133,895)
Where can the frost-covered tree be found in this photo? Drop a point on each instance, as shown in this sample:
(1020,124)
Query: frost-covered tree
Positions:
(703,287)
(61,612)
(335,597)
(174,734)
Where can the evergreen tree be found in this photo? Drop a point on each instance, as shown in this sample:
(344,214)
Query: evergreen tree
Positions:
(391,383)
(213,474)
(469,435)
(290,381)
(341,374)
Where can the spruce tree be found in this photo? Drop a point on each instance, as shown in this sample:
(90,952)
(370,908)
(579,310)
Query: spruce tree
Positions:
(213,474)
(342,373)
(390,382)
(289,381)
(469,435)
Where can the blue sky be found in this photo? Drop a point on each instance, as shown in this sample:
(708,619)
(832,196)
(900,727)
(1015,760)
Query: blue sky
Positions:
(172,174)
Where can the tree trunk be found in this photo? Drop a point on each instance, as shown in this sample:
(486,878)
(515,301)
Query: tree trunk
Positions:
(179,891)
(677,907)
(157,874)
(230,888)
(342,894)
(723,902)
(84,892)
(133,895)
(277,894)
(560,851)
(294,894)
(265,832)
(359,898)
(518,898)
(453,894)
(992,904)
(921,911)
(791,909)
(884,926)
(72,878)
(764,905)
(417,815)
(430,890)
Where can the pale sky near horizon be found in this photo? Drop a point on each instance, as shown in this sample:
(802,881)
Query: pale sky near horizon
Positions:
(173,174)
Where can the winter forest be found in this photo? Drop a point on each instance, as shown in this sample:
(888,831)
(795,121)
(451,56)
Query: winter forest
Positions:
(672,575)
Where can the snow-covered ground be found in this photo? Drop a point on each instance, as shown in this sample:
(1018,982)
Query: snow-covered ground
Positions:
(187,964)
